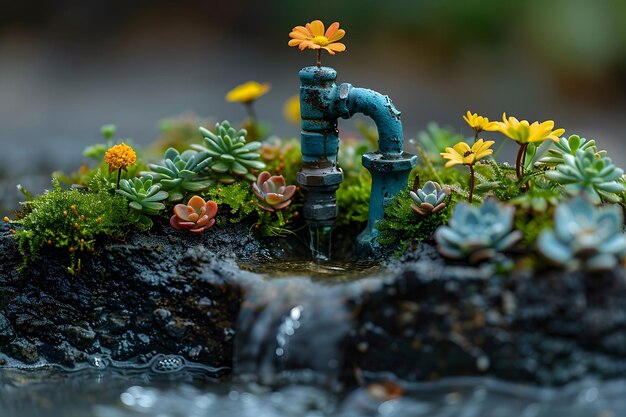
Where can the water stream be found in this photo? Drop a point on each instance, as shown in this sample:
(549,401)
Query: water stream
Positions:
(288,359)
(320,242)
(114,393)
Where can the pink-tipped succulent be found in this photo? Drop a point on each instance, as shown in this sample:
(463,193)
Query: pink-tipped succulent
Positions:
(196,216)
(272,191)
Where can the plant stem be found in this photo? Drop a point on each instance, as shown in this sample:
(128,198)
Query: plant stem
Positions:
(471,184)
(280,217)
(476,136)
(495,154)
(319,57)
(119,176)
(250,110)
(519,161)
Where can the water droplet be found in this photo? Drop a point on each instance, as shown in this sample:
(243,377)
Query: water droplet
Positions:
(483,363)
(386,408)
(168,363)
(127,399)
(296,312)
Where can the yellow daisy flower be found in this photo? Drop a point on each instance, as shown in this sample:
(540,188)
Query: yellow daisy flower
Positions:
(462,153)
(247,92)
(120,157)
(523,132)
(479,123)
(313,36)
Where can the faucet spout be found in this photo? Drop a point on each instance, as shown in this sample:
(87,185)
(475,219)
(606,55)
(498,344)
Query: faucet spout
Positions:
(380,109)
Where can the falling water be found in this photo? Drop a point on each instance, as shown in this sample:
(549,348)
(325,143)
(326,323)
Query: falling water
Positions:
(320,242)
(292,330)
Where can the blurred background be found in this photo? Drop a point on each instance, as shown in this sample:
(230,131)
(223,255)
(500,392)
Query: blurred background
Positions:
(69,66)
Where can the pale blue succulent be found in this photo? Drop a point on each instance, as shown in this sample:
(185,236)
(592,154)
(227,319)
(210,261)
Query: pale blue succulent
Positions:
(585,236)
(429,199)
(587,172)
(179,173)
(568,146)
(478,233)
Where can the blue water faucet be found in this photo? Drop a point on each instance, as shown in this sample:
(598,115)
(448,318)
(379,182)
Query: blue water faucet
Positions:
(322,102)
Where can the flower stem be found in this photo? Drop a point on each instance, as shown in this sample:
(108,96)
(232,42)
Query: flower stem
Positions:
(250,110)
(519,161)
(319,57)
(119,175)
(476,136)
(471,184)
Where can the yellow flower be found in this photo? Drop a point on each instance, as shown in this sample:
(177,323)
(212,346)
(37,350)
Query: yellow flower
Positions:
(461,153)
(523,132)
(312,36)
(291,109)
(247,92)
(120,157)
(479,123)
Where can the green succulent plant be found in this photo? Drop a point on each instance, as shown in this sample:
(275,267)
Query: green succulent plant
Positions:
(231,156)
(477,233)
(592,174)
(568,146)
(144,198)
(538,199)
(429,199)
(181,173)
(584,236)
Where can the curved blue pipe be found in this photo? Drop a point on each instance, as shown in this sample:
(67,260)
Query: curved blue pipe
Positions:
(382,111)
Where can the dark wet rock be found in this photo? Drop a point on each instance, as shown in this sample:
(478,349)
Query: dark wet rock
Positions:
(6,329)
(166,293)
(183,296)
(24,351)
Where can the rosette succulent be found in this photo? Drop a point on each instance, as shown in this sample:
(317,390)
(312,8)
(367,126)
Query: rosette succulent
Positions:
(179,173)
(585,236)
(145,198)
(196,216)
(592,174)
(477,233)
(232,156)
(429,199)
(272,191)
(568,146)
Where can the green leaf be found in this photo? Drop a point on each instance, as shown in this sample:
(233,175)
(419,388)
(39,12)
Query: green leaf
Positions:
(160,196)
(220,167)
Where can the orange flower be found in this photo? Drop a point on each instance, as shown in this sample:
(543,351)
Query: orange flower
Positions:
(120,157)
(312,36)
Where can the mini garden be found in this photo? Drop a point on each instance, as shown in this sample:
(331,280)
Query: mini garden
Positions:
(512,269)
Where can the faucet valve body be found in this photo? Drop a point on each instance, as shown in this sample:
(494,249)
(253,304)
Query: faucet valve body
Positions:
(322,102)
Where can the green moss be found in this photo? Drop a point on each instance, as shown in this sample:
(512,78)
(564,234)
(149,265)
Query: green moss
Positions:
(401,224)
(236,201)
(532,223)
(353,197)
(72,220)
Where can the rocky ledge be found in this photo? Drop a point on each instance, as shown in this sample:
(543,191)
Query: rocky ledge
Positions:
(422,318)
